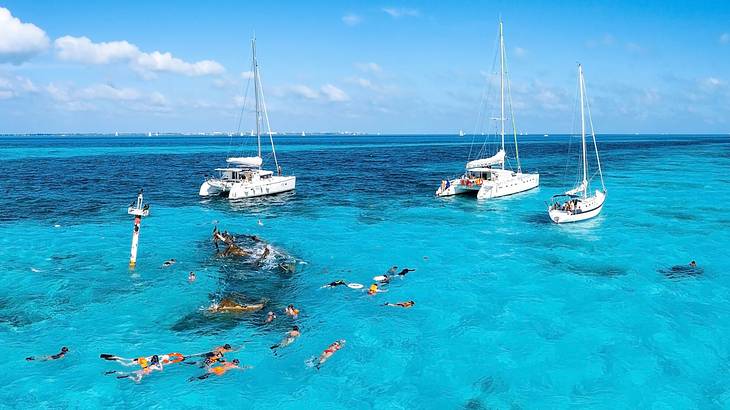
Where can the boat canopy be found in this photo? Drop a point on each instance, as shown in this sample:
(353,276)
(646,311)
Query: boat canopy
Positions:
(497,158)
(248,162)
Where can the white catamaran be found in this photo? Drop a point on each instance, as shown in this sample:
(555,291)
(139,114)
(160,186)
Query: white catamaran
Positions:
(579,203)
(244,178)
(488,176)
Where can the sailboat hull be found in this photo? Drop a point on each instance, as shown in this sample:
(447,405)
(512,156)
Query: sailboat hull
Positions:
(588,208)
(271,186)
(508,186)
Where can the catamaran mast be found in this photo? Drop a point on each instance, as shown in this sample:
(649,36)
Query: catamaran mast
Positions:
(256,92)
(583,132)
(501,84)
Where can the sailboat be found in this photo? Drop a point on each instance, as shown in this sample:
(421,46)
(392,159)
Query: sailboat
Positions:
(580,203)
(488,176)
(244,177)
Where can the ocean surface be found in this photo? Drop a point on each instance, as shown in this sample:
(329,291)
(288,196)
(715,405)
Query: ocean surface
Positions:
(511,310)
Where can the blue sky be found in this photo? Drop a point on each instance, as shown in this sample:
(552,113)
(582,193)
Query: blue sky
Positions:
(400,67)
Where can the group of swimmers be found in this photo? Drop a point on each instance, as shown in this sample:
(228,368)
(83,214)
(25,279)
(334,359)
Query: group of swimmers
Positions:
(213,362)
(379,283)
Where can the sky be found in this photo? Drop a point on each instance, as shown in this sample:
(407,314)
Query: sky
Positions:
(388,67)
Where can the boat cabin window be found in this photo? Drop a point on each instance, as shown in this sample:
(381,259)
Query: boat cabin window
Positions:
(265,176)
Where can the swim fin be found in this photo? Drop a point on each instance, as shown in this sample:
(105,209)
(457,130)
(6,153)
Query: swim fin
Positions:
(107,356)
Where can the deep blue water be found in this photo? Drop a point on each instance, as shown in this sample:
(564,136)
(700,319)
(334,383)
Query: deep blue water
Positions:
(511,311)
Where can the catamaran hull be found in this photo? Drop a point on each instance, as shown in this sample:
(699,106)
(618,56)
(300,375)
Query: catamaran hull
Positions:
(510,186)
(455,187)
(594,207)
(276,185)
(213,187)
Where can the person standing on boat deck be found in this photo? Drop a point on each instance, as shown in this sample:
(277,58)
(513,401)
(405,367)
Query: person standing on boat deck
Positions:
(56,356)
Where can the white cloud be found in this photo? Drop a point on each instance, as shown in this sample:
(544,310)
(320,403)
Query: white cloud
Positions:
(351,19)
(303,91)
(19,41)
(84,99)
(634,48)
(247,75)
(83,50)
(520,52)
(401,12)
(333,93)
(11,87)
(368,67)
(327,92)
(725,38)
(711,83)
(108,92)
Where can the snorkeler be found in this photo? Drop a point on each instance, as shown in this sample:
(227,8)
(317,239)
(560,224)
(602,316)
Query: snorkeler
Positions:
(291,312)
(329,351)
(143,362)
(405,271)
(191,277)
(288,339)
(270,317)
(220,370)
(210,358)
(336,283)
(137,375)
(168,263)
(681,271)
(401,304)
(373,289)
(56,356)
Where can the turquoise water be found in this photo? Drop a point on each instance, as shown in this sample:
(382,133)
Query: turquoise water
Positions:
(511,310)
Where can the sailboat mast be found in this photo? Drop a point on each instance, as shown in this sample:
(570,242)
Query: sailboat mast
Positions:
(256,93)
(501,84)
(583,131)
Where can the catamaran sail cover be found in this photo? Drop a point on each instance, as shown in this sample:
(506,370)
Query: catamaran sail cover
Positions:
(246,162)
(497,158)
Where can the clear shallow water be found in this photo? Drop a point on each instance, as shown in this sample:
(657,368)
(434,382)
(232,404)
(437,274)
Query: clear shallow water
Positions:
(511,311)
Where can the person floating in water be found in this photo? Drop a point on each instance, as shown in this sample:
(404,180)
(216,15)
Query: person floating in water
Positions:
(270,317)
(191,277)
(212,357)
(59,355)
(393,269)
(335,284)
(329,351)
(168,263)
(406,305)
(292,312)
(288,339)
(405,271)
(154,365)
(220,370)
(679,271)
(373,289)
(143,362)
